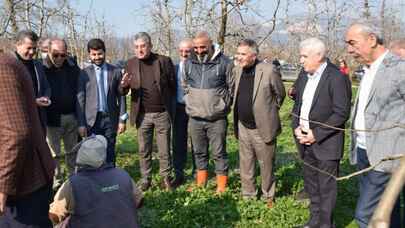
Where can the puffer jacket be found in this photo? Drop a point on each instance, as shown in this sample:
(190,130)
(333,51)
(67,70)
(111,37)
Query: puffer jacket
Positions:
(208,86)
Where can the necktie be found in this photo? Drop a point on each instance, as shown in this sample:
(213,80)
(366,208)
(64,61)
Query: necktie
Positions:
(101,90)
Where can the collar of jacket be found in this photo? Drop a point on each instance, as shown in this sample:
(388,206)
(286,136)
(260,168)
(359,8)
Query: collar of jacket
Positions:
(214,57)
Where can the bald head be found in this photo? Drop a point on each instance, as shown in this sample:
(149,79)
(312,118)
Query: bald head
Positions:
(57,51)
(185,48)
(398,47)
(202,44)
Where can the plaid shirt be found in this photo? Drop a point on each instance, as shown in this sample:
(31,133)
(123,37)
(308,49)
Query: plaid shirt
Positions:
(25,159)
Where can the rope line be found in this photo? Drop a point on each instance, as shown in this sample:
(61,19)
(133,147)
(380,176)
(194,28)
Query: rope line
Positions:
(359,172)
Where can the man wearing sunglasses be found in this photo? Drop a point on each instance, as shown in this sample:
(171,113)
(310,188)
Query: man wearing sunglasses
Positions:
(61,120)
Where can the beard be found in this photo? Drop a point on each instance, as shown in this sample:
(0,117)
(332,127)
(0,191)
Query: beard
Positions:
(202,57)
(98,62)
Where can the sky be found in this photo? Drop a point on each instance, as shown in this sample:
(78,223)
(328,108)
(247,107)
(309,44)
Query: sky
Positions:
(130,16)
(121,14)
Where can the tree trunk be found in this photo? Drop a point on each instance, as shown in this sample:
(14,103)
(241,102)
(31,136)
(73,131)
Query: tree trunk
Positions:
(366,12)
(224,19)
(10,6)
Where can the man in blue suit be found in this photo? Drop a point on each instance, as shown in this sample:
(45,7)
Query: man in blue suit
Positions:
(101,106)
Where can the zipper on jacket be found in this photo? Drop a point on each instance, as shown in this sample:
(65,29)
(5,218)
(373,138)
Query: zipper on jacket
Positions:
(202,76)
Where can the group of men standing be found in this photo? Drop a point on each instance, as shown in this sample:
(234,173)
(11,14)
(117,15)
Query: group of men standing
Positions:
(194,98)
(322,106)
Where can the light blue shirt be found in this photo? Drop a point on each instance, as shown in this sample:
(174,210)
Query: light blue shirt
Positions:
(102,87)
(180,90)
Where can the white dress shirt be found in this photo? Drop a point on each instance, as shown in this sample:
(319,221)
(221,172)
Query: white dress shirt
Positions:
(308,94)
(364,92)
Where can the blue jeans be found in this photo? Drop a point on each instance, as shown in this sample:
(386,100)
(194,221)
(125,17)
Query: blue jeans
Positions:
(371,187)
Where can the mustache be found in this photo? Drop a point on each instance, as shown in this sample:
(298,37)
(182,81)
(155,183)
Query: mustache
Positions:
(202,53)
(97,60)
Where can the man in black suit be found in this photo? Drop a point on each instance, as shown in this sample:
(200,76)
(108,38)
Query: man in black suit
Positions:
(25,49)
(101,106)
(323,94)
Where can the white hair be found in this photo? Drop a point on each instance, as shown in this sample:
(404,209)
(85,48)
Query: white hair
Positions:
(367,27)
(315,45)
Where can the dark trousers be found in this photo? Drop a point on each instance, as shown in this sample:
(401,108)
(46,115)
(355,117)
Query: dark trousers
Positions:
(104,126)
(30,211)
(371,187)
(206,133)
(321,188)
(179,143)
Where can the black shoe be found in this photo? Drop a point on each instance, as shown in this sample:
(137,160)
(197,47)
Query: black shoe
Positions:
(145,185)
(166,184)
(178,181)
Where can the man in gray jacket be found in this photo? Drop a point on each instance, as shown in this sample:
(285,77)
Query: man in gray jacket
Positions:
(208,97)
(380,104)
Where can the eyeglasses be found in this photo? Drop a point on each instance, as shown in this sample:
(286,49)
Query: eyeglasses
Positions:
(185,51)
(59,56)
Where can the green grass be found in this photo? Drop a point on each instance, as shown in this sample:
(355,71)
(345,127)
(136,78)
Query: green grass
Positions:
(202,208)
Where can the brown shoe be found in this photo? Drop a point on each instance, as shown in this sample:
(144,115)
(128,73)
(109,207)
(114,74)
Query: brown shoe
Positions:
(270,203)
(221,183)
(201,179)
(166,184)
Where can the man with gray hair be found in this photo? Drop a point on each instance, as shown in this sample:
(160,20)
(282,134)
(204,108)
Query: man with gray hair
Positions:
(153,87)
(380,103)
(208,98)
(180,123)
(323,94)
(259,94)
(97,195)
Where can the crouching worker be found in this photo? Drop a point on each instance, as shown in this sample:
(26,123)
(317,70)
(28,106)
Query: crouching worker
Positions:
(97,195)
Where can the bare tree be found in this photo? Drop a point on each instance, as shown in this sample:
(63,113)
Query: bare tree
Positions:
(10,6)
(366,7)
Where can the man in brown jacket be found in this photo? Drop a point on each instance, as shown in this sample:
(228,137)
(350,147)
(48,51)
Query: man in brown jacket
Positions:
(259,93)
(26,165)
(153,87)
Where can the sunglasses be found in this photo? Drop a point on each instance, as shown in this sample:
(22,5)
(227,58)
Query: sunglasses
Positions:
(59,56)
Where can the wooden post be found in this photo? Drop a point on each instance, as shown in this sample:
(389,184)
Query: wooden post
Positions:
(382,215)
